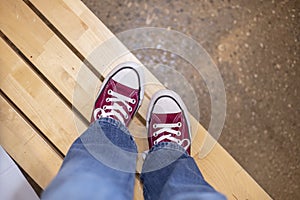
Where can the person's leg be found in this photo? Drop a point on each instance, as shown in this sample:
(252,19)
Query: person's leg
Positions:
(101,162)
(179,177)
(99,165)
(169,172)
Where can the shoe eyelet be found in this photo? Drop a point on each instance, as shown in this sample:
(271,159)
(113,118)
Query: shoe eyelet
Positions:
(155,142)
(133,101)
(178,141)
(126,116)
(129,109)
(104,107)
(179,124)
(154,126)
(178,133)
(109,91)
(107,99)
(155,134)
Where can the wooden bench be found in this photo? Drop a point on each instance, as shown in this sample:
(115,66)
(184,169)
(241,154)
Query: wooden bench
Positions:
(43,45)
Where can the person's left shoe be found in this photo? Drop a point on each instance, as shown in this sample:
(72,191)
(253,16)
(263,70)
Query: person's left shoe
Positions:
(121,93)
(167,120)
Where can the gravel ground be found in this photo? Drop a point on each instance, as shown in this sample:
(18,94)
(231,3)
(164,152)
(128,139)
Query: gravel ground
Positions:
(255,45)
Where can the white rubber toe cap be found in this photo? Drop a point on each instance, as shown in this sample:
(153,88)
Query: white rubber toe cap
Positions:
(165,105)
(127,77)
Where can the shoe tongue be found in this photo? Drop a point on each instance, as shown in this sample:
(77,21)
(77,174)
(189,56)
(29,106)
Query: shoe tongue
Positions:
(121,89)
(128,92)
(171,118)
(167,118)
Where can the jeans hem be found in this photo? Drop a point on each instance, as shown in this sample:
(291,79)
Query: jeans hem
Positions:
(116,123)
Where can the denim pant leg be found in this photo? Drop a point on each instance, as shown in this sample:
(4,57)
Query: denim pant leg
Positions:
(170,173)
(100,164)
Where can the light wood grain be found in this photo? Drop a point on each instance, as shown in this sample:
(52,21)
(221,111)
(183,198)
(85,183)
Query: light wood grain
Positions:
(46,51)
(26,147)
(36,100)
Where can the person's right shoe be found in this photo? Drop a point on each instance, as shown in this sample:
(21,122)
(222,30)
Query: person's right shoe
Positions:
(167,120)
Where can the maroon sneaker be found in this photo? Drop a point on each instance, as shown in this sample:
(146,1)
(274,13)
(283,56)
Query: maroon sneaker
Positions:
(121,93)
(167,120)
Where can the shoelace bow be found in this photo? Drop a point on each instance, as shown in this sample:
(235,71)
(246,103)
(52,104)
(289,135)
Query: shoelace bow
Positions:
(169,129)
(116,98)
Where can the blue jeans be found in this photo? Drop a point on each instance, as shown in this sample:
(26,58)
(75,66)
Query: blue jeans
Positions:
(101,164)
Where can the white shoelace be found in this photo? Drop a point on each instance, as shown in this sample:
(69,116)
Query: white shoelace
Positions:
(168,128)
(116,99)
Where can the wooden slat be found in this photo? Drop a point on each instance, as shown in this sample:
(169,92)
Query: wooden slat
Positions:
(46,51)
(37,101)
(26,147)
(218,167)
